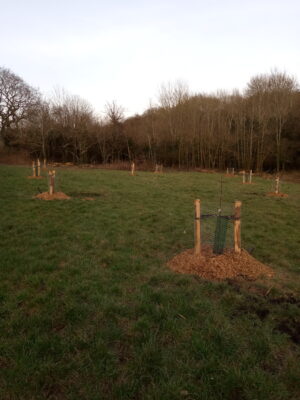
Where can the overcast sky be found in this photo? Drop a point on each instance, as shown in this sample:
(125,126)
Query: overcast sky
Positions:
(124,50)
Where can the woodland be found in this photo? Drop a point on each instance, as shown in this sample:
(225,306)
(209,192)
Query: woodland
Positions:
(257,128)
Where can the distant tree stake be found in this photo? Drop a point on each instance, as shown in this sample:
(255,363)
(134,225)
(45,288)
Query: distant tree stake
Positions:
(197,227)
(33,169)
(244,176)
(45,163)
(237,226)
(277,185)
(51,182)
(250,176)
(132,169)
(38,167)
(158,168)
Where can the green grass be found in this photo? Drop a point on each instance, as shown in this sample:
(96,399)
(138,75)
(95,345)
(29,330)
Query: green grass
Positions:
(89,310)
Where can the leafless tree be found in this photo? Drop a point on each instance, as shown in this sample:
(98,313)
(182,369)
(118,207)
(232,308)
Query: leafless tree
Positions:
(18,101)
(114,112)
(272,98)
(256,129)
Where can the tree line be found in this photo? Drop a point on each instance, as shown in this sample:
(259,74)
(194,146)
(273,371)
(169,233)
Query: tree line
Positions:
(257,129)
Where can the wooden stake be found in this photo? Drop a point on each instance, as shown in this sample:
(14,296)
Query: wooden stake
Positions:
(132,168)
(53,176)
(244,176)
(197,227)
(51,182)
(277,185)
(45,163)
(38,167)
(33,169)
(250,176)
(227,171)
(156,169)
(237,226)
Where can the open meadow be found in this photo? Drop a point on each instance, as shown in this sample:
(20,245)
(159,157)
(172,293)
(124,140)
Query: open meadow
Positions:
(90,310)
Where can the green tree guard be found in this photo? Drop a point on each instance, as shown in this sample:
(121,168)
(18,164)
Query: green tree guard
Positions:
(220,235)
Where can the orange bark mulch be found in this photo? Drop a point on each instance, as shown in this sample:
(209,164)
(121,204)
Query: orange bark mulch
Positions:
(219,267)
(54,196)
(273,194)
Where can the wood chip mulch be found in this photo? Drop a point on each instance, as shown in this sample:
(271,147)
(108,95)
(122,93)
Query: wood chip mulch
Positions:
(54,196)
(273,194)
(219,267)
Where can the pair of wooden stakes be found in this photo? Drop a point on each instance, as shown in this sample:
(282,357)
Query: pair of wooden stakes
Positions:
(36,167)
(36,172)
(158,168)
(247,178)
(236,230)
(230,171)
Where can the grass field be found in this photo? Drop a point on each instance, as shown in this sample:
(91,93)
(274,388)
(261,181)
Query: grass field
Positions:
(89,309)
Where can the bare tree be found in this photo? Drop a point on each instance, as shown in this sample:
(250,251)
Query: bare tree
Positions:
(18,101)
(272,99)
(115,115)
(73,119)
(282,87)
(114,112)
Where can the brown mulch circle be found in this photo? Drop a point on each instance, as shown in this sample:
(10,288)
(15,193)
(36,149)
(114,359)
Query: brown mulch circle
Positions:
(35,177)
(218,267)
(54,196)
(89,198)
(273,194)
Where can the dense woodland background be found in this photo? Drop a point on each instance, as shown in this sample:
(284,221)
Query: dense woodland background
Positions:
(257,129)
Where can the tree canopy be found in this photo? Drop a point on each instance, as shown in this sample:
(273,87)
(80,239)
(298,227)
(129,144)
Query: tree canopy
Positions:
(257,129)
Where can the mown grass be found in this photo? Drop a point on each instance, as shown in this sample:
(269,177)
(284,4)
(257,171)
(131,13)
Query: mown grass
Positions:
(89,310)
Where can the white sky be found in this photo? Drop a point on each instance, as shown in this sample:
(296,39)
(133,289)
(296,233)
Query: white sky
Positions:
(124,50)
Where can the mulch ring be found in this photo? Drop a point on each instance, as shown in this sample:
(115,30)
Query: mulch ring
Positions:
(273,194)
(219,267)
(54,196)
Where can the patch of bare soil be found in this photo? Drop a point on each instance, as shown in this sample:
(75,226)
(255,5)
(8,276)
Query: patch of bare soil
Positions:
(35,177)
(54,196)
(228,265)
(273,194)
